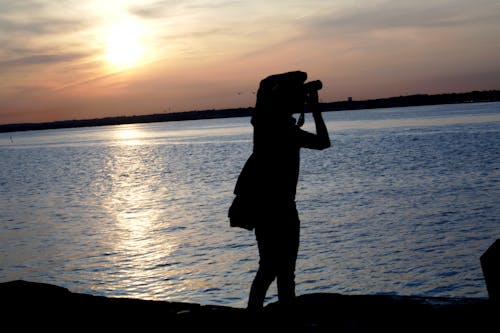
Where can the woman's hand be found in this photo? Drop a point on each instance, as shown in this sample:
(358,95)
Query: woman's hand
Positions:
(312,98)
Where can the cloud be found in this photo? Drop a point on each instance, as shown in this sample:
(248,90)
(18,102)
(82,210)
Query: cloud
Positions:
(403,14)
(35,35)
(41,33)
(42,59)
(9,7)
(35,18)
(156,10)
(168,8)
(40,26)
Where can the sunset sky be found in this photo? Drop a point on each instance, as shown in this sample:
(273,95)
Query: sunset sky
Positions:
(72,59)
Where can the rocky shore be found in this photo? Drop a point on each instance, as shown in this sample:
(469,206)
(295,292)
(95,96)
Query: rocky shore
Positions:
(31,305)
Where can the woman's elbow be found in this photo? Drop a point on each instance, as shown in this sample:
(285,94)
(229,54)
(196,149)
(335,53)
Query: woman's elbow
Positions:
(324,145)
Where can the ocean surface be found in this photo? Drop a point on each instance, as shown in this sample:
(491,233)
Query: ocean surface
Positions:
(404,202)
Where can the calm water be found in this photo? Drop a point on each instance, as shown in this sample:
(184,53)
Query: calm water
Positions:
(405,202)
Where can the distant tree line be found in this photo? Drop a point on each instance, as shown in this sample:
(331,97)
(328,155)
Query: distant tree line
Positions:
(415,100)
(401,101)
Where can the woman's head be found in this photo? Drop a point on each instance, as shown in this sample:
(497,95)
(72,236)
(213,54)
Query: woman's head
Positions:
(282,94)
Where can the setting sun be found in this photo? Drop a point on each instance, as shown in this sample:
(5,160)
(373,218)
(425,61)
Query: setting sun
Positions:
(123,44)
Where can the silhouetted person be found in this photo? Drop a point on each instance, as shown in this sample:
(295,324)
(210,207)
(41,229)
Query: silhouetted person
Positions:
(265,190)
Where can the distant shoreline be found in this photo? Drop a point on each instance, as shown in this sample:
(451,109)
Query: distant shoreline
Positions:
(401,101)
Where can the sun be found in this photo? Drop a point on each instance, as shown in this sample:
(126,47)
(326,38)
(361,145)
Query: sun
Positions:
(123,44)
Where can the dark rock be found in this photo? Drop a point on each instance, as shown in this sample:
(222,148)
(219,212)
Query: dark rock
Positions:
(45,305)
(29,305)
(490,263)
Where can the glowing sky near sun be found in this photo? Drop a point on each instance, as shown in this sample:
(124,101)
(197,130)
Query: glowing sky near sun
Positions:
(85,59)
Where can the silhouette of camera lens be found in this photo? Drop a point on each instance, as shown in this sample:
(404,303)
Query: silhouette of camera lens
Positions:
(313,86)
